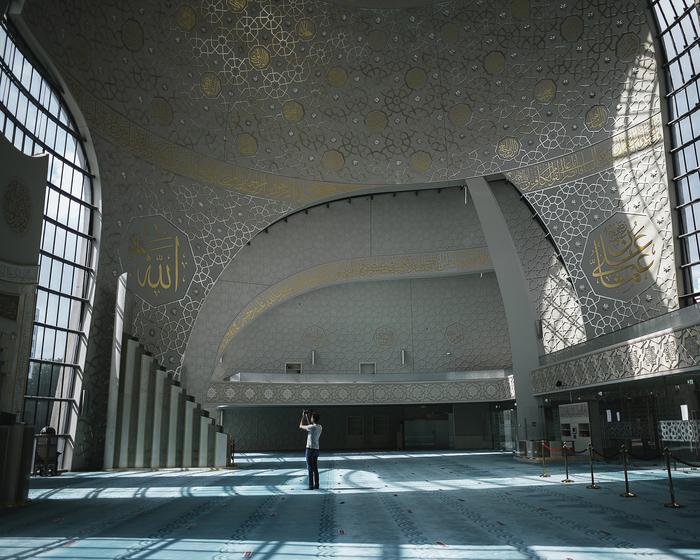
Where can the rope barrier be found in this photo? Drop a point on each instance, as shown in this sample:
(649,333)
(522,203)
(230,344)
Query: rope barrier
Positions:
(624,452)
(627,493)
(607,458)
(550,449)
(673,503)
(692,465)
(566,462)
(647,458)
(592,485)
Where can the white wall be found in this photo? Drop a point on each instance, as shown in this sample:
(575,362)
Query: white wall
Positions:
(444,324)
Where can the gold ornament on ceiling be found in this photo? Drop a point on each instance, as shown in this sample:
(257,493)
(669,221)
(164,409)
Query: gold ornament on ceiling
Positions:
(185,18)
(545,90)
(306,29)
(80,54)
(449,32)
(460,114)
(376,121)
(293,111)
(313,336)
(508,147)
(161,111)
(236,5)
(495,62)
(377,40)
(259,57)
(132,35)
(337,76)
(627,47)
(234,121)
(211,84)
(416,78)
(17,206)
(520,9)
(247,144)
(384,336)
(596,117)
(421,161)
(572,28)
(333,160)
(456,333)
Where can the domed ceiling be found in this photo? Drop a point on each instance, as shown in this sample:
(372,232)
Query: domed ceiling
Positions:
(330,91)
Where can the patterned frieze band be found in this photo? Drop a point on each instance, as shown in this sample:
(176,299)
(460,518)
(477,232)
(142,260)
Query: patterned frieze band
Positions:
(473,390)
(657,354)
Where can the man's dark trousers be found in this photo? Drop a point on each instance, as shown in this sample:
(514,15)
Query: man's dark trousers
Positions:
(312,464)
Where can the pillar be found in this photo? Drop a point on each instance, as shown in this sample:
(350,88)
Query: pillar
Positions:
(206,436)
(161,406)
(188,442)
(127,388)
(520,315)
(176,415)
(144,419)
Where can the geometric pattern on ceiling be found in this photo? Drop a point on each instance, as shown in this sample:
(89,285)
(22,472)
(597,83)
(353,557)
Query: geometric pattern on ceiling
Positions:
(331,93)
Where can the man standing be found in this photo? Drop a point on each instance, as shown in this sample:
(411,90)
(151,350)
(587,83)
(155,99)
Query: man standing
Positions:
(309,422)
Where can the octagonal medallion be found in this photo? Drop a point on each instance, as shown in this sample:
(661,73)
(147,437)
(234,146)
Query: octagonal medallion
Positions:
(622,255)
(158,259)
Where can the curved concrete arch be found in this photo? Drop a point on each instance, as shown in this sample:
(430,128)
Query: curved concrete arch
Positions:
(522,325)
(421,265)
(364,238)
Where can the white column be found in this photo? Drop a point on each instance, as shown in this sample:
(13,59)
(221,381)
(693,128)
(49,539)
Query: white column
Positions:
(520,315)
(188,433)
(206,432)
(127,387)
(159,436)
(220,449)
(176,416)
(114,376)
(144,420)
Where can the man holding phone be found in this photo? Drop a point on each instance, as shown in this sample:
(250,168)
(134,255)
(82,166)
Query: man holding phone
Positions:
(309,423)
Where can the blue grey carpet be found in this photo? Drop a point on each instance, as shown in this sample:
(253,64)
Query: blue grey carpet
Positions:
(469,505)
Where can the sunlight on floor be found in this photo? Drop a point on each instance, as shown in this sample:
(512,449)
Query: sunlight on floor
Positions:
(362,481)
(466,505)
(185,549)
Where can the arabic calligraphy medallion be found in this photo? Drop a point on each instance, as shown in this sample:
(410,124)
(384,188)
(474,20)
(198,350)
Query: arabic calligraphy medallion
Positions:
(622,255)
(158,259)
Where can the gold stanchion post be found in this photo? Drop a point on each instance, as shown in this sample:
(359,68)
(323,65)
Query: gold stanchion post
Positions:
(592,485)
(673,503)
(565,449)
(544,463)
(627,493)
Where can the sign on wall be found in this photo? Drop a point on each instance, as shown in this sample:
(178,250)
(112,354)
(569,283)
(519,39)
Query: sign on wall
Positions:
(22,191)
(622,256)
(158,259)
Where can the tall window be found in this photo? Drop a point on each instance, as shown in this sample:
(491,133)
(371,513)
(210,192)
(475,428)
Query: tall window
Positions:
(678,25)
(34,118)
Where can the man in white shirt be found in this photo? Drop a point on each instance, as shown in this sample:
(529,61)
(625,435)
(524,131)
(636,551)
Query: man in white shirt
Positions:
(309,422)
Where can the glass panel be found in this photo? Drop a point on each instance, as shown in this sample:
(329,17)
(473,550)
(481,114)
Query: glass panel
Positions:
(39,132)
(677,22)
(693,254)
(694,279)
(29,411)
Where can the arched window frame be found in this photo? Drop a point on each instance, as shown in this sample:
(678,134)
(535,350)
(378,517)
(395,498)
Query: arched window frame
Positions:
(678,27)
(34,116)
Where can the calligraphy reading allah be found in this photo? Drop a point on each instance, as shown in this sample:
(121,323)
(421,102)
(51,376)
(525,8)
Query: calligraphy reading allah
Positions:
(161,254)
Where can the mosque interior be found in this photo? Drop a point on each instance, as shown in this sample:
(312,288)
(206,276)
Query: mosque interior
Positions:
(464,232)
